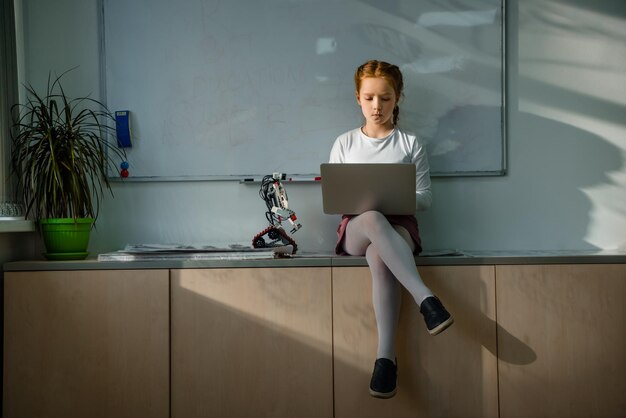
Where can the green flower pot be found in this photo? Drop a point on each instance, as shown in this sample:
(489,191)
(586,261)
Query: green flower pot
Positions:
(66,238)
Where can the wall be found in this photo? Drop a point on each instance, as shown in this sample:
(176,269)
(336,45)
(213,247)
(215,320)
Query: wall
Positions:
(565,189)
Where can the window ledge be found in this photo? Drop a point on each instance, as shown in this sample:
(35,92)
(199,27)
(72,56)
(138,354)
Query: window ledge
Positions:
(16,225)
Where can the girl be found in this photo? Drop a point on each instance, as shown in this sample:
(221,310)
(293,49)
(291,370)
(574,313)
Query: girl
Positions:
(388,242)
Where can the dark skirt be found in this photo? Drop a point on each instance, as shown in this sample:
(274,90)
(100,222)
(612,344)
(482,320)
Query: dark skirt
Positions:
(408,222)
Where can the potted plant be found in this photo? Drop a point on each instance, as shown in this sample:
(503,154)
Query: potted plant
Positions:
(61,154)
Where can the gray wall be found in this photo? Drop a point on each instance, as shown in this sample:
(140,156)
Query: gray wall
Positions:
(566,186)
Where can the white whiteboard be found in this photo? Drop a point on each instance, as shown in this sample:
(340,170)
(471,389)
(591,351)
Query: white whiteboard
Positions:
(247,87)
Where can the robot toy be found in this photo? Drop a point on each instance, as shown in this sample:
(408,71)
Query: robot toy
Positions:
(275,197)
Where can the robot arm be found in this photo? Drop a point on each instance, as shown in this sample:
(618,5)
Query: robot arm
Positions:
(280,204)
(275,197)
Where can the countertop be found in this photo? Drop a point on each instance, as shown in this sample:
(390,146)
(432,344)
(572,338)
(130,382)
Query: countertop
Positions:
(429,258)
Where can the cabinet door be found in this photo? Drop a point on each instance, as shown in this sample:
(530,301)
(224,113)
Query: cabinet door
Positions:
(572,362)
(449,375)
(86,344)
(252,343)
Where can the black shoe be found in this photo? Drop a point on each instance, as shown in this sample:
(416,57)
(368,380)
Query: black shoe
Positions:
(435,315)
(383,383)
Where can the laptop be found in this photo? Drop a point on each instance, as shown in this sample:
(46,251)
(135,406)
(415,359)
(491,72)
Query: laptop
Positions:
(352,189)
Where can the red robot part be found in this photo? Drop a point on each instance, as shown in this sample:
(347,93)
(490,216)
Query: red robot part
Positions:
(273,236)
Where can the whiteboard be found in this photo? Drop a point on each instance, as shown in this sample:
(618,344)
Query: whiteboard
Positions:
(242,88)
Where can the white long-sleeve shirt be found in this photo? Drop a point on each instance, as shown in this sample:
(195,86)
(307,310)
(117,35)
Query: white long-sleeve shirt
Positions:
(398,147)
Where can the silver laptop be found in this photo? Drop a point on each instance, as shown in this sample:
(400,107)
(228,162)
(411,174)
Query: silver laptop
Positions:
(352,189)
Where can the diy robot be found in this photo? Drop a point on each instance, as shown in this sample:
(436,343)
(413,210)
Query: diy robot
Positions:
(275,197)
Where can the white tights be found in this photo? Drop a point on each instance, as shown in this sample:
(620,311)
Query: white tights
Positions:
(391,264)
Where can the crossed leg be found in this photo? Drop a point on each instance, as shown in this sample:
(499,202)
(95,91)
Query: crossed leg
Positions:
(389,253)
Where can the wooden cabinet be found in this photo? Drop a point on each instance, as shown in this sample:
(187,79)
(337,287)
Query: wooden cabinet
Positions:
(453,374)
(86,344)
(301,342)
(252,343)
(562,349)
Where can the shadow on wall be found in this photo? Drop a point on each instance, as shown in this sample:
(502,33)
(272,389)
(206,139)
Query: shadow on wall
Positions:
(565,107)
(560,162)
(570,89)
(541,204)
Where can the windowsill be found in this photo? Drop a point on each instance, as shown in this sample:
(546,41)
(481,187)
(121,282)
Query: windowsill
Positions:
(16,225)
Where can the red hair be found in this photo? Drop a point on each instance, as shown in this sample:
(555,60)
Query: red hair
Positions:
(381,69)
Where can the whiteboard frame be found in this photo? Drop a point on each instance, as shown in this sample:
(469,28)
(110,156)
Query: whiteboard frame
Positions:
(310,177)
